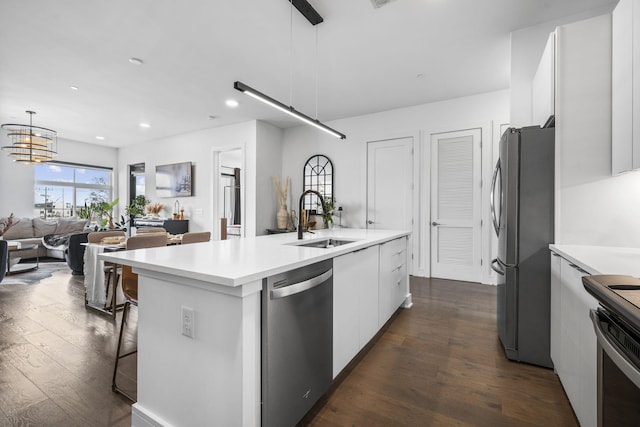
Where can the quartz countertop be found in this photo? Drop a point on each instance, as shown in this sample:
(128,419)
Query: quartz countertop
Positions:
(601,259)
(236,262)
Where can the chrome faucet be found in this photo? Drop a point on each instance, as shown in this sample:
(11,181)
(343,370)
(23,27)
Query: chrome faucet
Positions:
(300,209)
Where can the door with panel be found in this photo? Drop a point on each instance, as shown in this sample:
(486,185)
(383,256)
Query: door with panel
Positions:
(390,184)
(456,205)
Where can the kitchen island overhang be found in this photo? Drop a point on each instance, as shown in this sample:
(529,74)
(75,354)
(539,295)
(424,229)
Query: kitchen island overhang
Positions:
(216,376)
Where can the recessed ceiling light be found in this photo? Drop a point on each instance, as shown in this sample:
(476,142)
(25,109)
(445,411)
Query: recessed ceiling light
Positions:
(136,61)
(100,137)
(145,125)
(74,87)
(231,103)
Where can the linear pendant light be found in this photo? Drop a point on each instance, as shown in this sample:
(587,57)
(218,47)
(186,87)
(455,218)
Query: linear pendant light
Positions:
(247,90)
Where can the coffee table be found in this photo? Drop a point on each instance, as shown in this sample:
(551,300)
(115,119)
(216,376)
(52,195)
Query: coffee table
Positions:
(24,267)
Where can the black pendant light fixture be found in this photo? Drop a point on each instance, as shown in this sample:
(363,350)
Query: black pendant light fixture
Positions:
(314,18)
(30,144)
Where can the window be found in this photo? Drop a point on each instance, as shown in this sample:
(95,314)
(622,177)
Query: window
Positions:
(136,181)
(61,188)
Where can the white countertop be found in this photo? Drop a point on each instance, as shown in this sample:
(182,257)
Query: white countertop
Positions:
(240,261)
(602,259)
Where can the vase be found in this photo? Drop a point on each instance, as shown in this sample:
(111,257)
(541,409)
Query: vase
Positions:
(282,217)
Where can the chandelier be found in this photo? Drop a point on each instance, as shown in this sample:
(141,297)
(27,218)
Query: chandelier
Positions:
(30,144)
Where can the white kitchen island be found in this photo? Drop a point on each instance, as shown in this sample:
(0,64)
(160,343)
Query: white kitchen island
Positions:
(214,378)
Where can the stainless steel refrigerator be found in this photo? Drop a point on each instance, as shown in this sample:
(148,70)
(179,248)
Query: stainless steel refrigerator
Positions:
(522,211)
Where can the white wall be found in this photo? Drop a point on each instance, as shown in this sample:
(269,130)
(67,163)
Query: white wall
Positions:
(196,147)
(17,181)
(349,156)
(269,163)
(592,207)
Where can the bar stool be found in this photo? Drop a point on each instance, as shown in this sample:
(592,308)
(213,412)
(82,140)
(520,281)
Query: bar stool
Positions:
(130,290)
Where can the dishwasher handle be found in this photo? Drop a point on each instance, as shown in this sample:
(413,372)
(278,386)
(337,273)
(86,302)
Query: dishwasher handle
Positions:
(305,285)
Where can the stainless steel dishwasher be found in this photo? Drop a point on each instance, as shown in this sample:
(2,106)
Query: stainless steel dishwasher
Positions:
(297,342)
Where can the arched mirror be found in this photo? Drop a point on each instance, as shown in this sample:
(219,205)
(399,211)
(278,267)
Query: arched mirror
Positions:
(318,175)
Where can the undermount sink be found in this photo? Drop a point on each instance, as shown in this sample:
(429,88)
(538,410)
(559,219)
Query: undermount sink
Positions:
(323,243)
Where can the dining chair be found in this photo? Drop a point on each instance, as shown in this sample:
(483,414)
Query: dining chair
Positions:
(150,230)
(109,268)
(195,237)
(130,290)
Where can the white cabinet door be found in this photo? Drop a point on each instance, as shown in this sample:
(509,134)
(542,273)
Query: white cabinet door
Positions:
(367,261)
(393,285)
(625,89)
(544,84)
(556,309)
(355,304)
(578,345)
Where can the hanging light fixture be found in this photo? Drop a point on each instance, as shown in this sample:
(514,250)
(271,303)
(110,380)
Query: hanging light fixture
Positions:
(314,18)
(247,90)
(30,144)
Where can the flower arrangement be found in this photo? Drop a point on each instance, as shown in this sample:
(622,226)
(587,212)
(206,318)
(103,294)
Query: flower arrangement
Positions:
(327,209)
(7,223)
(154,208)
(282,216)
(281,192)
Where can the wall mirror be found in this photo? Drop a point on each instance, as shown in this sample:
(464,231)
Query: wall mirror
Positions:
(318,176)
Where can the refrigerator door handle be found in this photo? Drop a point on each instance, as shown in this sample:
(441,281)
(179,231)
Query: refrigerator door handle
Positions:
(495,266)
(496,221)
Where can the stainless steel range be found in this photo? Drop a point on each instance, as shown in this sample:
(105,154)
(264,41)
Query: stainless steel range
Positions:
(617,326)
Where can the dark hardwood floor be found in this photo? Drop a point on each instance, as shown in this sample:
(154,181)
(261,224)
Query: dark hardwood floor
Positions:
(439,363)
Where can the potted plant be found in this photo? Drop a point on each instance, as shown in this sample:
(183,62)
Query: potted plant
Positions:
(327,211)
(106,209)
(136,208)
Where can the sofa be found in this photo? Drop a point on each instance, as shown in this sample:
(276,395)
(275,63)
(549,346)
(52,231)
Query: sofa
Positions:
(32,230)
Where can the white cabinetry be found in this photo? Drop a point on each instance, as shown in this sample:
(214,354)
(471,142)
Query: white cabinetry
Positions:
(625,95)
(544,84)
(556,308)
(355,304)
(393,286)
(573,340)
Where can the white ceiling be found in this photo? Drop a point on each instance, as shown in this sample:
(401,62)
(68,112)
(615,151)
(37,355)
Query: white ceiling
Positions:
(368,59)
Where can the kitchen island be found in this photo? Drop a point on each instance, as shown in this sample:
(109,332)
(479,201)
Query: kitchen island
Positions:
(214,378)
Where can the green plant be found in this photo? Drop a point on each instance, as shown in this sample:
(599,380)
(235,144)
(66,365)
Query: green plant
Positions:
(327,209)
(136,208)
(106,209)
(86,212)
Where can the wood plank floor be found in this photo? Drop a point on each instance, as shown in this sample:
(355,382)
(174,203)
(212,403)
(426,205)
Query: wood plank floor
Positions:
(439,363)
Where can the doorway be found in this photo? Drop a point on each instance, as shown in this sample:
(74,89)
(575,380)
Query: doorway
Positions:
(136,181)
(228,220)
(390,184)
(456,192)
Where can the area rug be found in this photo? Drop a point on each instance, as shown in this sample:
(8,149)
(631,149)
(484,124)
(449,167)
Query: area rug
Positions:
(45,270)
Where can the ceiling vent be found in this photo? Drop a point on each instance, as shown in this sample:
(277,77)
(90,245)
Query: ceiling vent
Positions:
(379,3)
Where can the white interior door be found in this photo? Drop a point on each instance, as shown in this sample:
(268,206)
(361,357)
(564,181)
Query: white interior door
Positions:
(390,184)
(456,205)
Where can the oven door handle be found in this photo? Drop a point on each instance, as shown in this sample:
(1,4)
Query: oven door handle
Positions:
(621,361)
(296,288)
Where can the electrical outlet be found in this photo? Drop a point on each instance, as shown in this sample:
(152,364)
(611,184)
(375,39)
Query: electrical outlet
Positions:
(188,322)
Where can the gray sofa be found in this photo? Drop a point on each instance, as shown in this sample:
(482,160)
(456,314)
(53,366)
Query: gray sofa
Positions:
(32,230)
